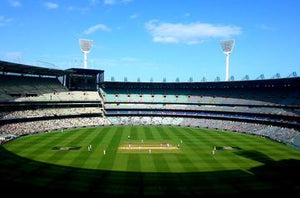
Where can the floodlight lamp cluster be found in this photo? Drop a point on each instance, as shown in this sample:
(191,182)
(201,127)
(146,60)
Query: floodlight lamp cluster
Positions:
(227,46)
(85,45)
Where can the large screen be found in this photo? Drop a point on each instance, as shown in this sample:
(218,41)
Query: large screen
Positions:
(80,82)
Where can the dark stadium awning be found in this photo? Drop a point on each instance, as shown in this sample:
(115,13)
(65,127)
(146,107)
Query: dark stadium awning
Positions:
(283,83)
(81,71)
(27,69)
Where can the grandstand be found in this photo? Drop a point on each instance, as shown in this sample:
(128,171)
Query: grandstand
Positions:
(40,100)
(235,106)
(35,99)
(31,95)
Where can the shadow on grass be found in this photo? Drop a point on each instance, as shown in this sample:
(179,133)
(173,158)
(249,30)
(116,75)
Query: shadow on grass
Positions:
(21,176)
(254,155)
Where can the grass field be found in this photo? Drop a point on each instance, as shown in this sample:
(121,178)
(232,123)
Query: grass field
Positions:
(61,161)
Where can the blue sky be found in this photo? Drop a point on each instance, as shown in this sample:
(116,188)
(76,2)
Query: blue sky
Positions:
(154,38)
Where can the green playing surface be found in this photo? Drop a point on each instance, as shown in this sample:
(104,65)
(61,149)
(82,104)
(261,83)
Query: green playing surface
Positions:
(241,163)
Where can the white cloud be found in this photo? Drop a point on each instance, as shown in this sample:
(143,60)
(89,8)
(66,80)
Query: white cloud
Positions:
(4,21)
(109,2)
(94,2)
(187,14)
(265,27)
(96,28)
(78,9)
(15,3)
(191,33)
(51,5)
(127,1)
(113,2)
(128,59)
(133,16)
(12,56)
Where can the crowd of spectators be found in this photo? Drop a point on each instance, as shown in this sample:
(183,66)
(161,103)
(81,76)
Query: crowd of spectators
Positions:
(50,112)
(280,134)
(24,128)
(200,114)
(277,133)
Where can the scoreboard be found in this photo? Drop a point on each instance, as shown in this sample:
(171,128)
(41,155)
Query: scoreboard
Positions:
(84,79)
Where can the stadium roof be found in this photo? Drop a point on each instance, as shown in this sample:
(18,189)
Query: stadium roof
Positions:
(33,70)
(81,71)
(27,69)
(276,83)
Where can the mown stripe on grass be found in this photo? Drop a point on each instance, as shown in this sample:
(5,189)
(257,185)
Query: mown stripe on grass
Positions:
(42,148)
(187,164)
(204,140)
(160,163)
(229,159)
(148,133)
(100,144)
(192,139)
(24,145)
(162,134)
(141,133)
(83,155)
(178,158)
(133,133)
(74,141)
(108,160)
(133,162)
(165,133)
(204,159)
(27,141)
(195,141)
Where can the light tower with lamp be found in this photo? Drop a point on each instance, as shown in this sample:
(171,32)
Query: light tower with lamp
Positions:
(85,46)
(227,47)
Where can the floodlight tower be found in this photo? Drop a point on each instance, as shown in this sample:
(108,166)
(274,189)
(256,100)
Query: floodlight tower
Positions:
(227,47)
(85,46)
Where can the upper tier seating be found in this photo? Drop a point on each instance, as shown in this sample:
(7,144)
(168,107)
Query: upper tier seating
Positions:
(205,96)
(21,88)
(207,107)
